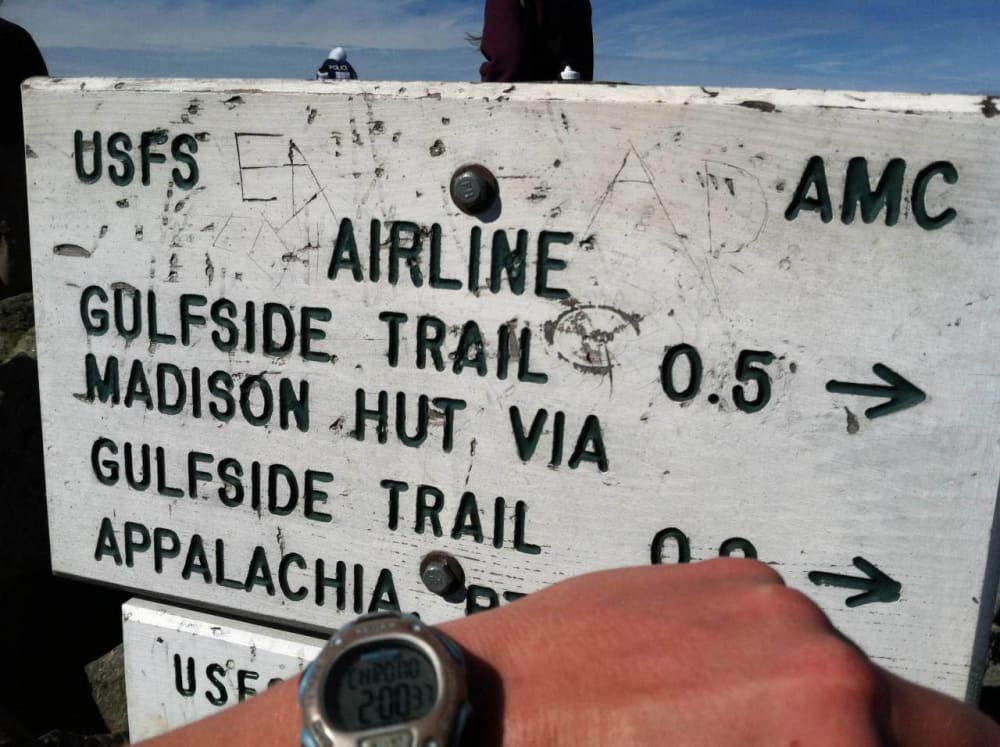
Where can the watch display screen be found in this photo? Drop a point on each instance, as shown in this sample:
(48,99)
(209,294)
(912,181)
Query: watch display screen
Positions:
(378,685)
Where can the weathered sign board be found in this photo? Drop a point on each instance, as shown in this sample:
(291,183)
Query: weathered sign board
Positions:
(183,665)
(279,365)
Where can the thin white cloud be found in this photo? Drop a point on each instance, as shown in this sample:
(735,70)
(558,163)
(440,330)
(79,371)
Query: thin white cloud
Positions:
(717,32)
(205,25)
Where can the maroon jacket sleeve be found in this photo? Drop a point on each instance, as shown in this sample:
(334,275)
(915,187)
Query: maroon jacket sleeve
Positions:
(502,41)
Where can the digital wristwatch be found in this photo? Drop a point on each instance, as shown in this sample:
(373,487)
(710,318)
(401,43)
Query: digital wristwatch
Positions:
(385,680)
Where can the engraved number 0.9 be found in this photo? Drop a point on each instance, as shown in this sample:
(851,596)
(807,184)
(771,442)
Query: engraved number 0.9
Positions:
(681,542)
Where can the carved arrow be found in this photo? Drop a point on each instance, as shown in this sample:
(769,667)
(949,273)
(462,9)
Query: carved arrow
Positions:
(878,587)
(901,393)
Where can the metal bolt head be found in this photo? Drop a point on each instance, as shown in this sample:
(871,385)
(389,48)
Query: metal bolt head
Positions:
(474,190)
(442,574)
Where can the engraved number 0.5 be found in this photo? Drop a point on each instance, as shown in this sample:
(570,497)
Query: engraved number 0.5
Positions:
(749,370)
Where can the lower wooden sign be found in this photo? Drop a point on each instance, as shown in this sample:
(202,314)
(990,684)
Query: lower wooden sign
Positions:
(181,665)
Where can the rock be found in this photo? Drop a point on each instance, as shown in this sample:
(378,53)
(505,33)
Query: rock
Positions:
(107,685)
(992,678)
(71,739)
(989,698)
(17,327)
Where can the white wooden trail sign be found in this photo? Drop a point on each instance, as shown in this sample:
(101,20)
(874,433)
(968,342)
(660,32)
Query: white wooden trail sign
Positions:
(279,365)
(183,665)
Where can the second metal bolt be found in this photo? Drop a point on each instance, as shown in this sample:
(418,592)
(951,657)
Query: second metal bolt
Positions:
(442,574)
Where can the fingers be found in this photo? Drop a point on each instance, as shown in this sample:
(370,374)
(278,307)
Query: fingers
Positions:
(923,718)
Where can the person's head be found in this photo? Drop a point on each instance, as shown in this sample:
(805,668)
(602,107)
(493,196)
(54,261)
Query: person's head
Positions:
(337,54)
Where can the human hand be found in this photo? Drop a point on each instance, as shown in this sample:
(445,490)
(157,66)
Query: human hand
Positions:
(714,653)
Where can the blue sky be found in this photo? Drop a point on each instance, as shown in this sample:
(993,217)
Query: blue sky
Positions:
(914,45)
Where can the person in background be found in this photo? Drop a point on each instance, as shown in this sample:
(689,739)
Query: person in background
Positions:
(713,653)
(19,59)
(336,67)
(536,40)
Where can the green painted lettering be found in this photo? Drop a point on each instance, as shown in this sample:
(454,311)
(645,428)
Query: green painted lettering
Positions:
(949,173)
(155,336)
(430,503)
(119,145)
(384,597)
(107,543)
(380,416)
(123,329)
(146,480)
(137,388)
(513,262)
(592,437)
(293,403)
(104,386)
(408,251)
(660,541)
(273,493)
(259,572)
(95,321)
(337,583)
(888,194)
(431,332)
(423,420)
(520,529)
(345,253)
(312,495)
(149,156)
(437,281)
(220,385)
(814,176)
(188,318)
(196,561)
(223,312)
(231,473)
(471,351)
(265,398)
(183,149)
(160,548)
(309,335)
(196,475)
(79,148)
(180,389)
(547,264)
(527,442)
(467,521)
(395,487)
(270,344)
(106,472)
(394,320)
(287,561)
(137,540)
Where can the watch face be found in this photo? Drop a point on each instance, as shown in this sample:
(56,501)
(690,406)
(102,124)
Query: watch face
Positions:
(378,685)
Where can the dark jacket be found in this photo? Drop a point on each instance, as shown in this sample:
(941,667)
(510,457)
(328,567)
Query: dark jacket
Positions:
(333,70)
(19,59)
(534,40)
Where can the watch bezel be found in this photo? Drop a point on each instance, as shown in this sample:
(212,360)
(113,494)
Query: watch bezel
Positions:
(439,724)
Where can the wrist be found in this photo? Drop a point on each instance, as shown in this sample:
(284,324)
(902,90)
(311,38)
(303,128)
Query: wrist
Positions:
(492,667)
(385,679)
